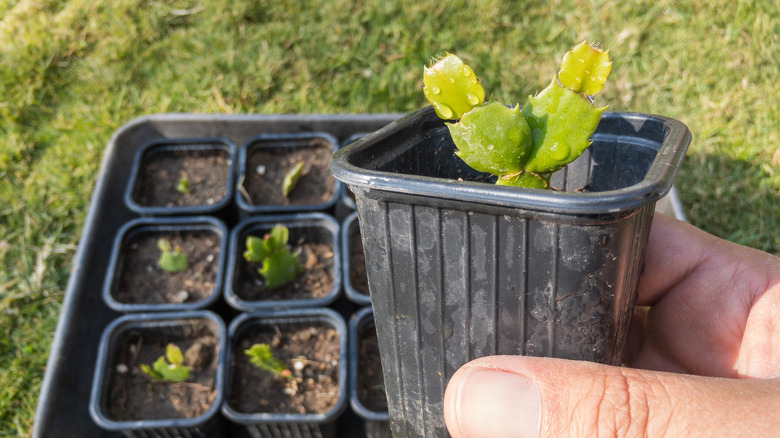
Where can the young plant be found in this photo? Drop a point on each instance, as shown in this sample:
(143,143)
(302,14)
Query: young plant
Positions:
(170,367)
(279,265)
(261,356)
(183,186)
(521,147)
(291,179)
(171,260)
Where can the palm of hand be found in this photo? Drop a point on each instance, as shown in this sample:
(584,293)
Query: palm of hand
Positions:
(714,307)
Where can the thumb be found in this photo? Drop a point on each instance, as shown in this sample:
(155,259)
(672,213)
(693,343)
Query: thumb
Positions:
(533,397)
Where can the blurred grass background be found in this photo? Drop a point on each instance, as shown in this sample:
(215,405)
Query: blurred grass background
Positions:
(74,71)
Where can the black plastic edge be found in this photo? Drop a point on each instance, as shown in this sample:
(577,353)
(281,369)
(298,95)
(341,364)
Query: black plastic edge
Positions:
(346,263)
(357,322)
(655,185)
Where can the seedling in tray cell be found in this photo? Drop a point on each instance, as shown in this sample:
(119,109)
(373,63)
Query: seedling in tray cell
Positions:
(279,265)
(261,356)
(170,367)
(171,259)
(291,178)
(183,186)
(521,147)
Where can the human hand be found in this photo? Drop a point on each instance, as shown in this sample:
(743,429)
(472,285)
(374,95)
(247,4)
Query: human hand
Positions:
(704,352)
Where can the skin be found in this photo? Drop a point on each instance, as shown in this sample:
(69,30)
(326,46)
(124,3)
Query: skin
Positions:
(703,357)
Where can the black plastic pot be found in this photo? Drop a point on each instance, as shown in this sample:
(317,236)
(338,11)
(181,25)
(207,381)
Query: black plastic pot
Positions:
(174,150)
(177,328)
(308,227)
(460,269)
(376,424)
(272,425)
(350,230)
(153,228)
(280,145)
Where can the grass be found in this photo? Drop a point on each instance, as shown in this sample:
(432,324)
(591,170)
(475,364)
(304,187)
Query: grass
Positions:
(74,71)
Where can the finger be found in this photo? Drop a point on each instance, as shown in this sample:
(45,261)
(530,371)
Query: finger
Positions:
(528,397)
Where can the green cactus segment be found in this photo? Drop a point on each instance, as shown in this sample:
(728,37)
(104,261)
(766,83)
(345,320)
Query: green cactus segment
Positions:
(452,88)
(291,179)
(280,269)
(171,260)
(170,368)
(561,123)
(279,265)
(585,69)
(261,356)
(492,138)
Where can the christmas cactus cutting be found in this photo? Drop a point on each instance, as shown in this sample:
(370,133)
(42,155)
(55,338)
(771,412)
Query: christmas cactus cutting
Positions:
(522,147)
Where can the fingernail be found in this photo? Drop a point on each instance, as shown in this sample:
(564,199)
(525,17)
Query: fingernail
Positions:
(492,403)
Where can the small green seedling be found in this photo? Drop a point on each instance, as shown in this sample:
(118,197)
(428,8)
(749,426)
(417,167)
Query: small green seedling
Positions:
(279,265)
(291,179)
(261,356)
(171,260)
(169,368)
(521,147)
(183,186)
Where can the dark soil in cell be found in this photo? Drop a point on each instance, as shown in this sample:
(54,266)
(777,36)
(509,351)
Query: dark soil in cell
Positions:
(370,382)
(315,388)
(205,170)
(133,395)
(264,187)
(357,262)
(141,280)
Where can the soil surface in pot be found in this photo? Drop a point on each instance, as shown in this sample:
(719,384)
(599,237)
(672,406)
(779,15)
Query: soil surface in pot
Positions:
(142,281)
(316,387)
(133,395)
(357,262)
(205,170)
(316,185)
(370,382)
(316,280)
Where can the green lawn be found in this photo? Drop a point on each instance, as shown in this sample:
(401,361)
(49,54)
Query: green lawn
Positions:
(74,71)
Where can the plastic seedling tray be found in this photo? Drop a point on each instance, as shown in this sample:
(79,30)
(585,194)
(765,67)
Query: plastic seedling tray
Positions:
(63,406)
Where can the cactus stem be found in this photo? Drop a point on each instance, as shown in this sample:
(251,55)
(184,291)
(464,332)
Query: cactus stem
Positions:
(515,176)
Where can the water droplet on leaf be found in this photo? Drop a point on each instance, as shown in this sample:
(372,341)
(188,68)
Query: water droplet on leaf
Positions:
(444,111)
(559,151)
(474,100)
